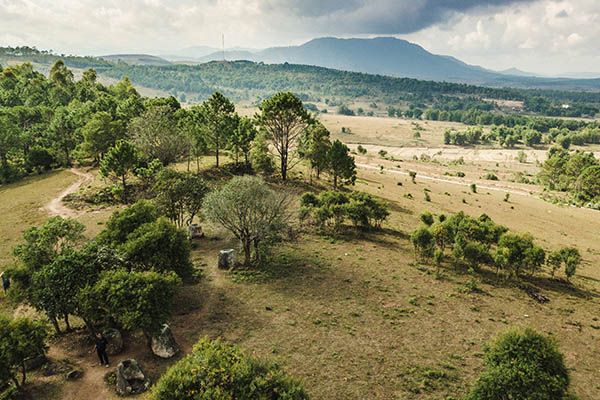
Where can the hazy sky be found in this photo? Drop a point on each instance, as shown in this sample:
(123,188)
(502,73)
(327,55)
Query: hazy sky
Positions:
(547,36)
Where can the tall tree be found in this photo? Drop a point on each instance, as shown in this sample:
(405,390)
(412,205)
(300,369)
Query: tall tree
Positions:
(340,163)
(157,135)
(120,161)
(314,146)
(218,117)
(242,138)
(63,132)
(284,118)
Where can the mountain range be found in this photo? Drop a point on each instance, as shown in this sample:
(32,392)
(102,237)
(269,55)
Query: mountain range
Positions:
(380,56)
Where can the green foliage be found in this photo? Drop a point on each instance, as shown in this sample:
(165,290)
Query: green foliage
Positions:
(340,164)
(135,300)
(242,138)
(567,256)
(251,211)
(120,161)
(332,208)
(122,223)
(159,246)
(315,147)
(473,188)
(20,339)
(423,242)
(42,245)
(361,150)
(522,364)
(157,134)
(219,121)
(284,119)
(217,371)
(426,218)
(179,195)
(260,157)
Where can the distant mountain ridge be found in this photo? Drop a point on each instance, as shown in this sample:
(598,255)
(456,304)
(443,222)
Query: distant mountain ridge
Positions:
(385,56)
(381,56)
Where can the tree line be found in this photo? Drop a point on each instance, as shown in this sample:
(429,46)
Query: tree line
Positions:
(480,241)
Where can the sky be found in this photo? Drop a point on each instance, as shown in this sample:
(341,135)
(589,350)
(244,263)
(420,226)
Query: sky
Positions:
(542,36)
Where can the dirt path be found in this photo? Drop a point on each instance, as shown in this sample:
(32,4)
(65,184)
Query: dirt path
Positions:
(56,206)
(420,175)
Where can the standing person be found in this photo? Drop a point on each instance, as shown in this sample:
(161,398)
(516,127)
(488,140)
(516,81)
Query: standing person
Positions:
(101,343)
(5,282)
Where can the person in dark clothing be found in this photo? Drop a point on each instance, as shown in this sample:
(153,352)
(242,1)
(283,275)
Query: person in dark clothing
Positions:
(101,343)
(5,282)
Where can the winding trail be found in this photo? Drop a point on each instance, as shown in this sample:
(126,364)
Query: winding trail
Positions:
(444,180)
(56,206)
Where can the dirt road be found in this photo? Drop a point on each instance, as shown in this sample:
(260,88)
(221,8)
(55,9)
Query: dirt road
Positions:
(56,206)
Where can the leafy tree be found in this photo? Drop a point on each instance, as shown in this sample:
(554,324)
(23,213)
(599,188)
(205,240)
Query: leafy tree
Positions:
(63,132)
(340,163)
(134,300)
(179,195)
(423,242)
(157,135)
(518,252)
(159,246)
(260,157)
(56,286)
(20,339)
(567,256)
(284,118)
(120,161)
(100,134)
(217,115)
(314,147)
(522,364)
(242,138)
(251,211)
(42,245)
(9,139)
(123,223)
(237,376)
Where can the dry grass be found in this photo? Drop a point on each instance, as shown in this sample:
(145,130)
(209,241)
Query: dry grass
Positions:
(354,317)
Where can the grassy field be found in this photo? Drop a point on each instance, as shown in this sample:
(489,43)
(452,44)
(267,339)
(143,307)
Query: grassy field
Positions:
(353,315)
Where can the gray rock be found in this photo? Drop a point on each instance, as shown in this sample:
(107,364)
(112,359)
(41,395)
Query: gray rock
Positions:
(227,259)
(74,374)
(131,378)
(195,231)
(115,341)
(163,344)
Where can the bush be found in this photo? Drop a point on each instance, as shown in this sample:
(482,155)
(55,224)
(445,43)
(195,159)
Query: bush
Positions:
(491,177)
(217,371)
(38,159)
(522,364)
(426,218)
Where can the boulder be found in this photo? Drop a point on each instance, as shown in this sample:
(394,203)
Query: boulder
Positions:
(131,378)
(227,259)
(195,231)
(115,341)
(163,344)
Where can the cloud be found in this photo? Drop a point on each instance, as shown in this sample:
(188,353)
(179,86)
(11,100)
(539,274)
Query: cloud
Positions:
(548,36)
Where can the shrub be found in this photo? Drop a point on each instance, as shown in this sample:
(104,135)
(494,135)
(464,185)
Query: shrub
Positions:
(361,150)
(217,371)
(473,188)
(426,218)
(423,242)
(522,364)
(161,246)
(491,177)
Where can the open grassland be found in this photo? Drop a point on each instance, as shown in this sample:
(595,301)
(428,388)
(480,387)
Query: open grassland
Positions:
(353,315)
